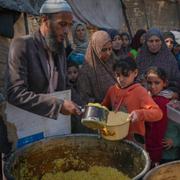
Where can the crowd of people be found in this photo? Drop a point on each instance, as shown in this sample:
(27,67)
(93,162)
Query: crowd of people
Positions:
(139,75)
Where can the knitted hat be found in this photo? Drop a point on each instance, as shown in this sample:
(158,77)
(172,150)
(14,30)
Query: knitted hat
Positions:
(55,6)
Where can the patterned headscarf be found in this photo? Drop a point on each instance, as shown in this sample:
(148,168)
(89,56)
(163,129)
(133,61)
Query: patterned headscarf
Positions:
(94,80)
(80,45)
(164,58)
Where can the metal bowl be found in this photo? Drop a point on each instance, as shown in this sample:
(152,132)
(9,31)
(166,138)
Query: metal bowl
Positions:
(165,171)
(125,156)
(94,117)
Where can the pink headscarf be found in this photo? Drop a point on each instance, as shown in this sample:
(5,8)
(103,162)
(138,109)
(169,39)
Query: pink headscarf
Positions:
(94,80)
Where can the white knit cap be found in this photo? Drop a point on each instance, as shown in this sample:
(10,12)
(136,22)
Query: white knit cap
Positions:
(55,6)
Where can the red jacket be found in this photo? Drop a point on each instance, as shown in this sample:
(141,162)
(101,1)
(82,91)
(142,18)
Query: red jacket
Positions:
(155,131)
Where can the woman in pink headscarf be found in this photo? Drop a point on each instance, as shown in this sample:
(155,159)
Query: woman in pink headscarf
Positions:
(96,74)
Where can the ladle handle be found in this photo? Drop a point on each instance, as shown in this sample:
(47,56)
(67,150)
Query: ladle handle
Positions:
(82,109)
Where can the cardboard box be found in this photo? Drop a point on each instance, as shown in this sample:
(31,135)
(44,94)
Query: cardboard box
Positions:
(32,127)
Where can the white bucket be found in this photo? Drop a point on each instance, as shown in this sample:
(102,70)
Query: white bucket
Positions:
(117,126)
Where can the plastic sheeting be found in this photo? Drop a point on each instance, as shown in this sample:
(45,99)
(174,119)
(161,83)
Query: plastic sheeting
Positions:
(28,6)
(177,36)
(100,13)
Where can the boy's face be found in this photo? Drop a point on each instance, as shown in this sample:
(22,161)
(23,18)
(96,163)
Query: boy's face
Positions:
(72,73)
(125,81)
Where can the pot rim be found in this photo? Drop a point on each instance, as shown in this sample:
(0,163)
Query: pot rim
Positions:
(159,167)
(128,121)
(93,105)
(12,156)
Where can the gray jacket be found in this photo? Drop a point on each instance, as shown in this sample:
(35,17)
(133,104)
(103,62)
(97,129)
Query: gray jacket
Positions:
(28,79)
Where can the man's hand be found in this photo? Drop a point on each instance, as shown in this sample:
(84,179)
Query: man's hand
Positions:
(70,108)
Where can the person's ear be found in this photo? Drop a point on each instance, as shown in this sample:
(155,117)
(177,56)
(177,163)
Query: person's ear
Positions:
(44,20)
(136,72)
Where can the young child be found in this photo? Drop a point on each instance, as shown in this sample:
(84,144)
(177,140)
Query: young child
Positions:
(155,131)
(128,95)
(72,73)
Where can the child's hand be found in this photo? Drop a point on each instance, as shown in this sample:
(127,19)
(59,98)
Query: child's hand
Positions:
(167,143)
(133,116)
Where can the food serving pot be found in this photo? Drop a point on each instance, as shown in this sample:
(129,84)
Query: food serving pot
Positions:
(34,160)
(168,171)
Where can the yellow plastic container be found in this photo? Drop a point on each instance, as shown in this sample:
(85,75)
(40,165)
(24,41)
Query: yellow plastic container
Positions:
(117,126)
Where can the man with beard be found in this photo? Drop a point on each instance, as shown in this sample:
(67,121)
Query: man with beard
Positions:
(37,64)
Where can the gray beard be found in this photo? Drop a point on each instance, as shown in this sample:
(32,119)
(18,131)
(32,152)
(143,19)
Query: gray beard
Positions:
(53,45)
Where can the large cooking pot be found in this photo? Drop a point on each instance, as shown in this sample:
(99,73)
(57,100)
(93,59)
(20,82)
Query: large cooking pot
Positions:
(169,171)
(36,159)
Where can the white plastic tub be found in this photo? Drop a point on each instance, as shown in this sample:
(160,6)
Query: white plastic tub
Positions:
(117,126)
(173,113)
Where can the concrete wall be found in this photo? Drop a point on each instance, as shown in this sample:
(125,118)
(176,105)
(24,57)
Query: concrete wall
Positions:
(4,48)
(19,30)
(163,14)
